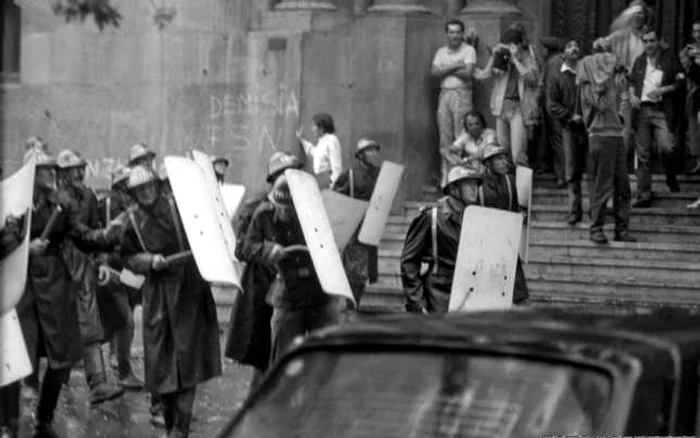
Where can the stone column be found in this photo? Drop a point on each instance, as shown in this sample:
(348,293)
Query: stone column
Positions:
(454,6)
(305,5)
(398,6)
(360,6)
(492,7)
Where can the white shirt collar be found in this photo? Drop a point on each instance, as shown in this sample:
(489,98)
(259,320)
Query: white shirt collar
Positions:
(565,67)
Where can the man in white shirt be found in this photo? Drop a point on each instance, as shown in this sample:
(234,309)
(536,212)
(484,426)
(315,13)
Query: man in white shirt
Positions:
(454,65)
(654,79)
(468,149)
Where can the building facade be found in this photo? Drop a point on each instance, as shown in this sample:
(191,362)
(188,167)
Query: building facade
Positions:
(236,77)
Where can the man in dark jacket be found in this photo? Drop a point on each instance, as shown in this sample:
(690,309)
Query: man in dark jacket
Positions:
(249,337)
(117,301)
(433,238)
(602,83)
(48,311)
(499,191)
(358,182)
(180,327)
(654,79)
(275,239)
(562,93)
(83,268)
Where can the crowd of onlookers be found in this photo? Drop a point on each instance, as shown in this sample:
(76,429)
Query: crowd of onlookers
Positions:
(615,111)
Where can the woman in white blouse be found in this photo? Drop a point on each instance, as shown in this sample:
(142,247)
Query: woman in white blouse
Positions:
(326,153)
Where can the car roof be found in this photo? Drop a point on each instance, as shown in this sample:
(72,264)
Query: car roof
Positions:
(661,341)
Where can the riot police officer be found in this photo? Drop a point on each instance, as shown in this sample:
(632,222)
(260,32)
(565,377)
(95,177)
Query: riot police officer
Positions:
(433,239)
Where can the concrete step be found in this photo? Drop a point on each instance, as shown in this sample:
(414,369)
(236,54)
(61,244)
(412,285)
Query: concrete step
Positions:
(628,251)
(558,250)
(617,271)
(561,290)
(682,274)
(556,288)
(641,216)
(677,234)
(383,299)
(661,200)
(687,183)
(558,230)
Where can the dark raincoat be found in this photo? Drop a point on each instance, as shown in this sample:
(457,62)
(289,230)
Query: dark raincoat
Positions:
(431,290)
(360,260)
(180,326)
(48,309)
(499,191)
(83,269)
(111,312)
(249,338)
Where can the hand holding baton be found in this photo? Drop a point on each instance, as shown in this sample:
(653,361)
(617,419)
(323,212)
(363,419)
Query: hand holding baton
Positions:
(51,223)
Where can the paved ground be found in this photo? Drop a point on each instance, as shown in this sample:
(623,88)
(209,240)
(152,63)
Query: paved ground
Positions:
(217,400)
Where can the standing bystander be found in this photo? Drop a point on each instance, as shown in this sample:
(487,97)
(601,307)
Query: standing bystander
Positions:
(453,65)
(654,78)
(602,83)
(562,103)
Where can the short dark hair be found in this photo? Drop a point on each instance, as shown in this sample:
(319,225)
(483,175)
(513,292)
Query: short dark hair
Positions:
(513,36)
(474,114)
(454,22)
(696,22)
(325,122)
(646,29)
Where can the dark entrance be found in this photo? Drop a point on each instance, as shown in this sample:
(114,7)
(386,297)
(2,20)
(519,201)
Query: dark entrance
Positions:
(586,20)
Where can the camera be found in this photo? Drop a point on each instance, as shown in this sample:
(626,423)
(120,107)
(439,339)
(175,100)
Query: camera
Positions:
(501,58)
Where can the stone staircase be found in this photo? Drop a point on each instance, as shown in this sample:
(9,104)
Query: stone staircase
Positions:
(566,269)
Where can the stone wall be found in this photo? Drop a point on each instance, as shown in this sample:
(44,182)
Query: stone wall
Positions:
(236,78)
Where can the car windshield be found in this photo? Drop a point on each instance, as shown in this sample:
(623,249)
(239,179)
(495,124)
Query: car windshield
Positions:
(422,394)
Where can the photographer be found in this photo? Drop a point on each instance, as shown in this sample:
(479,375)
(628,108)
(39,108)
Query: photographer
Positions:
(514,93)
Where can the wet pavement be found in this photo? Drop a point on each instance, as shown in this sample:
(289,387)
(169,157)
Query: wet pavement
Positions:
(217,400)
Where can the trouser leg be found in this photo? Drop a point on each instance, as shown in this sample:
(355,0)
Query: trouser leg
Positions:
(559,157)
(602,175)
(9,408)
(622,192)
(183,403)
(50,390)
(94,364)
(124,337)
(518,137)
(644,145)
(285,325)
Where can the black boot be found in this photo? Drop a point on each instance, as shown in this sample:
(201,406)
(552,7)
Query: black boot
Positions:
(100,389)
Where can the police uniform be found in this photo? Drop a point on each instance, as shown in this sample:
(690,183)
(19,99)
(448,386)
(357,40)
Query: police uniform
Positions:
(83,268)
(117,301)
(500,192)
(360,260)
(48,309)
(433,238)
(180,326)
(299,302)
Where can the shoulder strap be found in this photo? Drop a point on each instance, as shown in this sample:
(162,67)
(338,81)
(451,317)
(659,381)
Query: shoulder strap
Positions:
(176,222)
(510,192)
(481,195)
(352,183)
(108,213)
(137,231)
(433,235)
